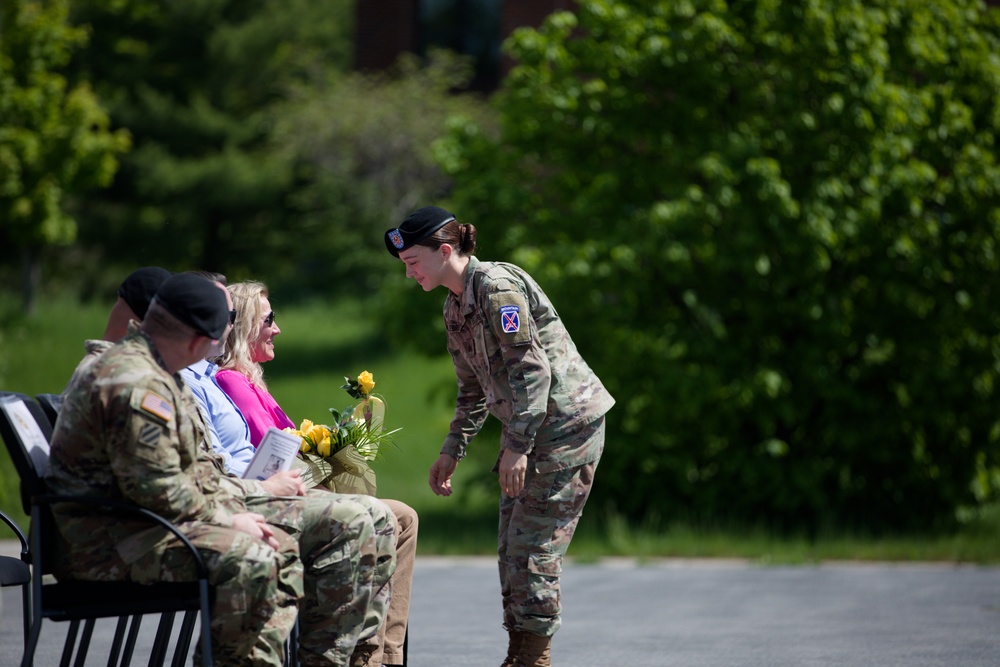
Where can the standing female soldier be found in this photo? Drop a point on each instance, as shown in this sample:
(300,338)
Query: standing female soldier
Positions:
(514,358)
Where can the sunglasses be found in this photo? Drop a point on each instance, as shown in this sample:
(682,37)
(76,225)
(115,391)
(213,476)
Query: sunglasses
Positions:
(232,317)
(269,319)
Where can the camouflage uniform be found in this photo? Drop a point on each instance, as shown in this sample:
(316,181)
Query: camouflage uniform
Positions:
(347,544)
(354,605)
(515,359)
(124,432)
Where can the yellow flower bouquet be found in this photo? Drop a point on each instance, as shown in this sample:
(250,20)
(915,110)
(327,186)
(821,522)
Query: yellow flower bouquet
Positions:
(337,456)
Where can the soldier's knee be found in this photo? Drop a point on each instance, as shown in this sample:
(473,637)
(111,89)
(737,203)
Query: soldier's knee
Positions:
(352,517)
(254,567)
(406,517)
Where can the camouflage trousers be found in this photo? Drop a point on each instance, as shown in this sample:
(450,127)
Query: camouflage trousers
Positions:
(347,544)
(387,647)
(535,530)
(256,588)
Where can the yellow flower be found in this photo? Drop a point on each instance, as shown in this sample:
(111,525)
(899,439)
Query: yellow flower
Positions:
(316,433)
(366,382)
(305,446)
(323,448)
(305,425)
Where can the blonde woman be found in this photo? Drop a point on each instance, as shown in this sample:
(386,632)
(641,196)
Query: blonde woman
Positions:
(251,343)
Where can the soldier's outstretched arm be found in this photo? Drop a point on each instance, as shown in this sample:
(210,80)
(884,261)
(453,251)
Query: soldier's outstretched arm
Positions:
(441,472)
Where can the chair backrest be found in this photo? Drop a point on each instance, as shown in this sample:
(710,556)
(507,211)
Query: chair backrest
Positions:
(51,404)
(26,432)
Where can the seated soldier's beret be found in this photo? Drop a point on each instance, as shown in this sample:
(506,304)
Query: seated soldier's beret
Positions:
(197,302)
(418,225)
(139,288)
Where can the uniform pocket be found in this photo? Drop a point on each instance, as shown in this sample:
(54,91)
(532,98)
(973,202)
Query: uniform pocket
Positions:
(546,565)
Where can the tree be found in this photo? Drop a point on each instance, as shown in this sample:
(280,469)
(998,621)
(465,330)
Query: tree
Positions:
(197,83)
(54,137)
(772,226)
(361,143)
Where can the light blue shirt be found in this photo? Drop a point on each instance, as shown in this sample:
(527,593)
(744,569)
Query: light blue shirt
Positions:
(227,428)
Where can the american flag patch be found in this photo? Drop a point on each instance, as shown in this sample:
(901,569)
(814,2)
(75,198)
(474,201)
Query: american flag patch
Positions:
(155,404)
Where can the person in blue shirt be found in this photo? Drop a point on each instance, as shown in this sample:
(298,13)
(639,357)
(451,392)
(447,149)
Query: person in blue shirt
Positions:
(226,425)
(347,543)
(230,436)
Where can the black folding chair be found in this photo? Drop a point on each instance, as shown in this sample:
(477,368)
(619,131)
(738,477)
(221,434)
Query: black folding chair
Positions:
(16,572)
(50,405)
(26,431)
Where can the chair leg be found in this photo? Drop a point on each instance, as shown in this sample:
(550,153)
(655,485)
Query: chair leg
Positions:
(206,621)
(26,612)
(70,644)
(133,637)
(292,647)
(116,644)
(84,645)
(184,638)
(28,659)
(162,639)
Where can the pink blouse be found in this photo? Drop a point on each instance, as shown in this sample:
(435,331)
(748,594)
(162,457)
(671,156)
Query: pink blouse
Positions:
(258,407)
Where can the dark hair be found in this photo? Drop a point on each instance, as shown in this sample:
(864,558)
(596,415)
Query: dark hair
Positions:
(213,276)
(459,235)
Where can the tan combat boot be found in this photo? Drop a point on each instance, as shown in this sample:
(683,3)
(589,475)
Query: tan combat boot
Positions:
(513,648)
(534,651)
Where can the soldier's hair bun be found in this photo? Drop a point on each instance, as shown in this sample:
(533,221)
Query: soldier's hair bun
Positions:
(466,238)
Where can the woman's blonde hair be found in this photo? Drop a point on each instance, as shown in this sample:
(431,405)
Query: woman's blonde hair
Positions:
(237,357)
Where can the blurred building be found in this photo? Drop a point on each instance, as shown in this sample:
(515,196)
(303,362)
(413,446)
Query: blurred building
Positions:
(386,28)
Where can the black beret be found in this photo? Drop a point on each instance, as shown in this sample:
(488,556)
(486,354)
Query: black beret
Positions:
(197,302)
(418,225)
(140,287)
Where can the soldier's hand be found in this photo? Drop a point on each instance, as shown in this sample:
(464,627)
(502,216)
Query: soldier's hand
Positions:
(441,472)
(254,525)
(513,467)
(285,483)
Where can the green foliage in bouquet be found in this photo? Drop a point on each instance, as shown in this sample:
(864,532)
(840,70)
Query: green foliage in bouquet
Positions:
(337,456)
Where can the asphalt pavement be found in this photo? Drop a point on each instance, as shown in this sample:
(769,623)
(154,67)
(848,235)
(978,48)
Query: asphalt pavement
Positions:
(690,613)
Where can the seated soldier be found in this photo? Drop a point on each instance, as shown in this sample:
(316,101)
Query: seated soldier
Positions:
(125,432)
(230,435)
(134,296)
(347,549)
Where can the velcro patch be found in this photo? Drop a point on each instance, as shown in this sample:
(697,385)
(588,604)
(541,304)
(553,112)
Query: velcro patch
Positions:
(156,405)
(149,434)
(508,309)
(510,319)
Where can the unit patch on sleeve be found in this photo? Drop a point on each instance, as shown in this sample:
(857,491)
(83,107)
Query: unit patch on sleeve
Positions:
(156,405)
(149,434)
(510,319)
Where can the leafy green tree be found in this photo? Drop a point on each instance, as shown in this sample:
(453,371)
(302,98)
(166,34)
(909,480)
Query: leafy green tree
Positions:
(54,137)
(197,83)
(772,226)
(361,143)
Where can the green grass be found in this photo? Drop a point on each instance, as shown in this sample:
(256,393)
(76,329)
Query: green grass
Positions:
(320,344)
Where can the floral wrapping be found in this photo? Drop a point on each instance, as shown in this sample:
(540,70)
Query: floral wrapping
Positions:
(337,457)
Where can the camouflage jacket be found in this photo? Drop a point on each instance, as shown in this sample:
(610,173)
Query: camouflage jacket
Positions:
(515,359)
(127,431)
